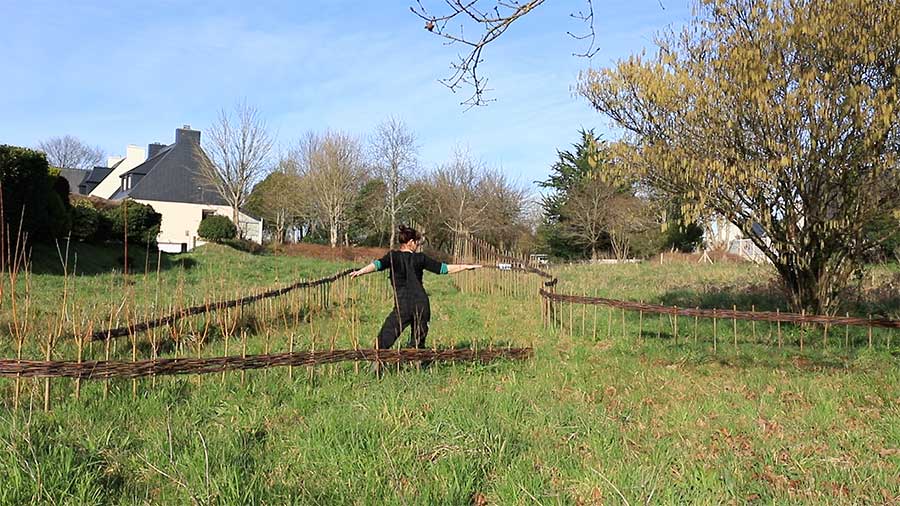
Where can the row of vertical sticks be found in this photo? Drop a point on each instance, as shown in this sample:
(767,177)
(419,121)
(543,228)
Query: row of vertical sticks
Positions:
(574,318)
(219,325)
(876,331)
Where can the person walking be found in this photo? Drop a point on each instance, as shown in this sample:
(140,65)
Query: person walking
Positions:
(411,306)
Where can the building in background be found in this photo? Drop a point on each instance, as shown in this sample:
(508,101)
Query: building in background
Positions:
(103,182)
(170,181)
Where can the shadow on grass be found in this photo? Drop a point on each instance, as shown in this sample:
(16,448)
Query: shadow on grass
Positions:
(92,260)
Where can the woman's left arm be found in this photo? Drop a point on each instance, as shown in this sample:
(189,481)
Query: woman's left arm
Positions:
(454,268)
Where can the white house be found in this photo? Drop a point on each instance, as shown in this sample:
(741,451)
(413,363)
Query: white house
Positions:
(104,182)
(721,234)
(169,181)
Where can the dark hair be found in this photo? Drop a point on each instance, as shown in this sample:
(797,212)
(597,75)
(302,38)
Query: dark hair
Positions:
(408,234)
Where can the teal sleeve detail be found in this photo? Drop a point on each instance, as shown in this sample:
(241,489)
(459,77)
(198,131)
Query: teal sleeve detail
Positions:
(444,269)
(377,264)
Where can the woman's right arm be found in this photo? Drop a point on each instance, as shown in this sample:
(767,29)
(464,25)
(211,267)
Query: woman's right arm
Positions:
(365,270)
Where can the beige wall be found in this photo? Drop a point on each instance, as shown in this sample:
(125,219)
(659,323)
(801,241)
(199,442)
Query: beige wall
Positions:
(181,220)
(134,156)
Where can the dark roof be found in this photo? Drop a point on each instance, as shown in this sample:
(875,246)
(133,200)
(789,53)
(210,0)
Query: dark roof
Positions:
(98,174)
(74,177)
(173,175)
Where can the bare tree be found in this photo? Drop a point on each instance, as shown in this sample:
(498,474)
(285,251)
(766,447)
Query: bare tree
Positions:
(503,204)
(70,152)
(238,145)
(334,167)
(394,155)
(457,20)
(587,212)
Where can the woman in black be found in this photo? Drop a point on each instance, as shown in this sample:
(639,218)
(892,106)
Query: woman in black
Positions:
(411,307)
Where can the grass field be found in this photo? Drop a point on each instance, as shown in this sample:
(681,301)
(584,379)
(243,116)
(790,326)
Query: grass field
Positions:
(605,413)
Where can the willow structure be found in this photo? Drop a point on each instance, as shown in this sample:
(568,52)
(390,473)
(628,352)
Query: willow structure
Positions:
(106,369)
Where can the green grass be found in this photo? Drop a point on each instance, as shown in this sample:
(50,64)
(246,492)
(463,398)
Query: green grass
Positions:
(593,418)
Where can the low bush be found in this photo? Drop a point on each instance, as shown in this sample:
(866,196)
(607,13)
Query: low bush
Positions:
(217,228)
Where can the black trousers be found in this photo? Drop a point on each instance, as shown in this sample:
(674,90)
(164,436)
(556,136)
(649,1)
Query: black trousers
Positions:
(415,314)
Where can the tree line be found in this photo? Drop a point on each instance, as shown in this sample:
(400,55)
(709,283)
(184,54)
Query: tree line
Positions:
(339,189)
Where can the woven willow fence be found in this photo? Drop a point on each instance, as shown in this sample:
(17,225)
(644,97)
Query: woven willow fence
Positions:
(562,311)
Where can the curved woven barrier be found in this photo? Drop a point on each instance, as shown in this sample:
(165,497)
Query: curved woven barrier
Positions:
(760,316)
(212,306)
(104,369)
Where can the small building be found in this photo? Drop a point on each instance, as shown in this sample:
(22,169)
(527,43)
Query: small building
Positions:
(170,181)
(723,235)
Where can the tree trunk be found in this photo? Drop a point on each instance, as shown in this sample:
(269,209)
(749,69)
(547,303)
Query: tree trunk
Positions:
(235,218)
(333,234)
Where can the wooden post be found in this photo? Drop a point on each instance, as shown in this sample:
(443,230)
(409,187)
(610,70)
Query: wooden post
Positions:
(623,323)
(753,322)
(847,333)
(802,327)
(641,322)
(870,331)
(778,317)
(715,332)
(583,316)
(734,322)
(696,324)
(594,328)
(675,325)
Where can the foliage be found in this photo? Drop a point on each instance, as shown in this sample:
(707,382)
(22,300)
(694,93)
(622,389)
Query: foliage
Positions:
(370,220)
(85,220)
(29,196)
(245,245)
(281,201)
(782,114)
(217,228)
(142,222)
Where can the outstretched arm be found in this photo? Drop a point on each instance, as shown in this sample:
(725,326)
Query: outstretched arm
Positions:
(365,270)
(454,268)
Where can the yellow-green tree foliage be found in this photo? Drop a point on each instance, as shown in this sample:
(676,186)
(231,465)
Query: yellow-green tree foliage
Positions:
(778,113)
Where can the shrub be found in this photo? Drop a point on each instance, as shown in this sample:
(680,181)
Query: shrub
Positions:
(29,196)
(143,222)
(85,220)
(217,228)
(246,245)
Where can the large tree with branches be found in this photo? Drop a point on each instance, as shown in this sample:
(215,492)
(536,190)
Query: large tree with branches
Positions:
(777,115)
(394,158)
(68,152)
(239,148)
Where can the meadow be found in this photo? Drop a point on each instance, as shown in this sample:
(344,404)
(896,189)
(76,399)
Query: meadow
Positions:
(613,408)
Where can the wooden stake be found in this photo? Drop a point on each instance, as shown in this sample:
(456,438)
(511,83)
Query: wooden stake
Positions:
(734,322)
(753,322)
(870,331)
(715,332)
(641,323)
(778,316)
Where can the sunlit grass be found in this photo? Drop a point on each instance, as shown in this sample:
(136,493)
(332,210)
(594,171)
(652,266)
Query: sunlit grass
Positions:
(606,416)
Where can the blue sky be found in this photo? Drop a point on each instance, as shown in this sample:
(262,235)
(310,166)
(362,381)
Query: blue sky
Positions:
(118,73)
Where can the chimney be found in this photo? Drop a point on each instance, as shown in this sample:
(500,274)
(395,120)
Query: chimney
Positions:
(134,153)
(185,134)
(154,149)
